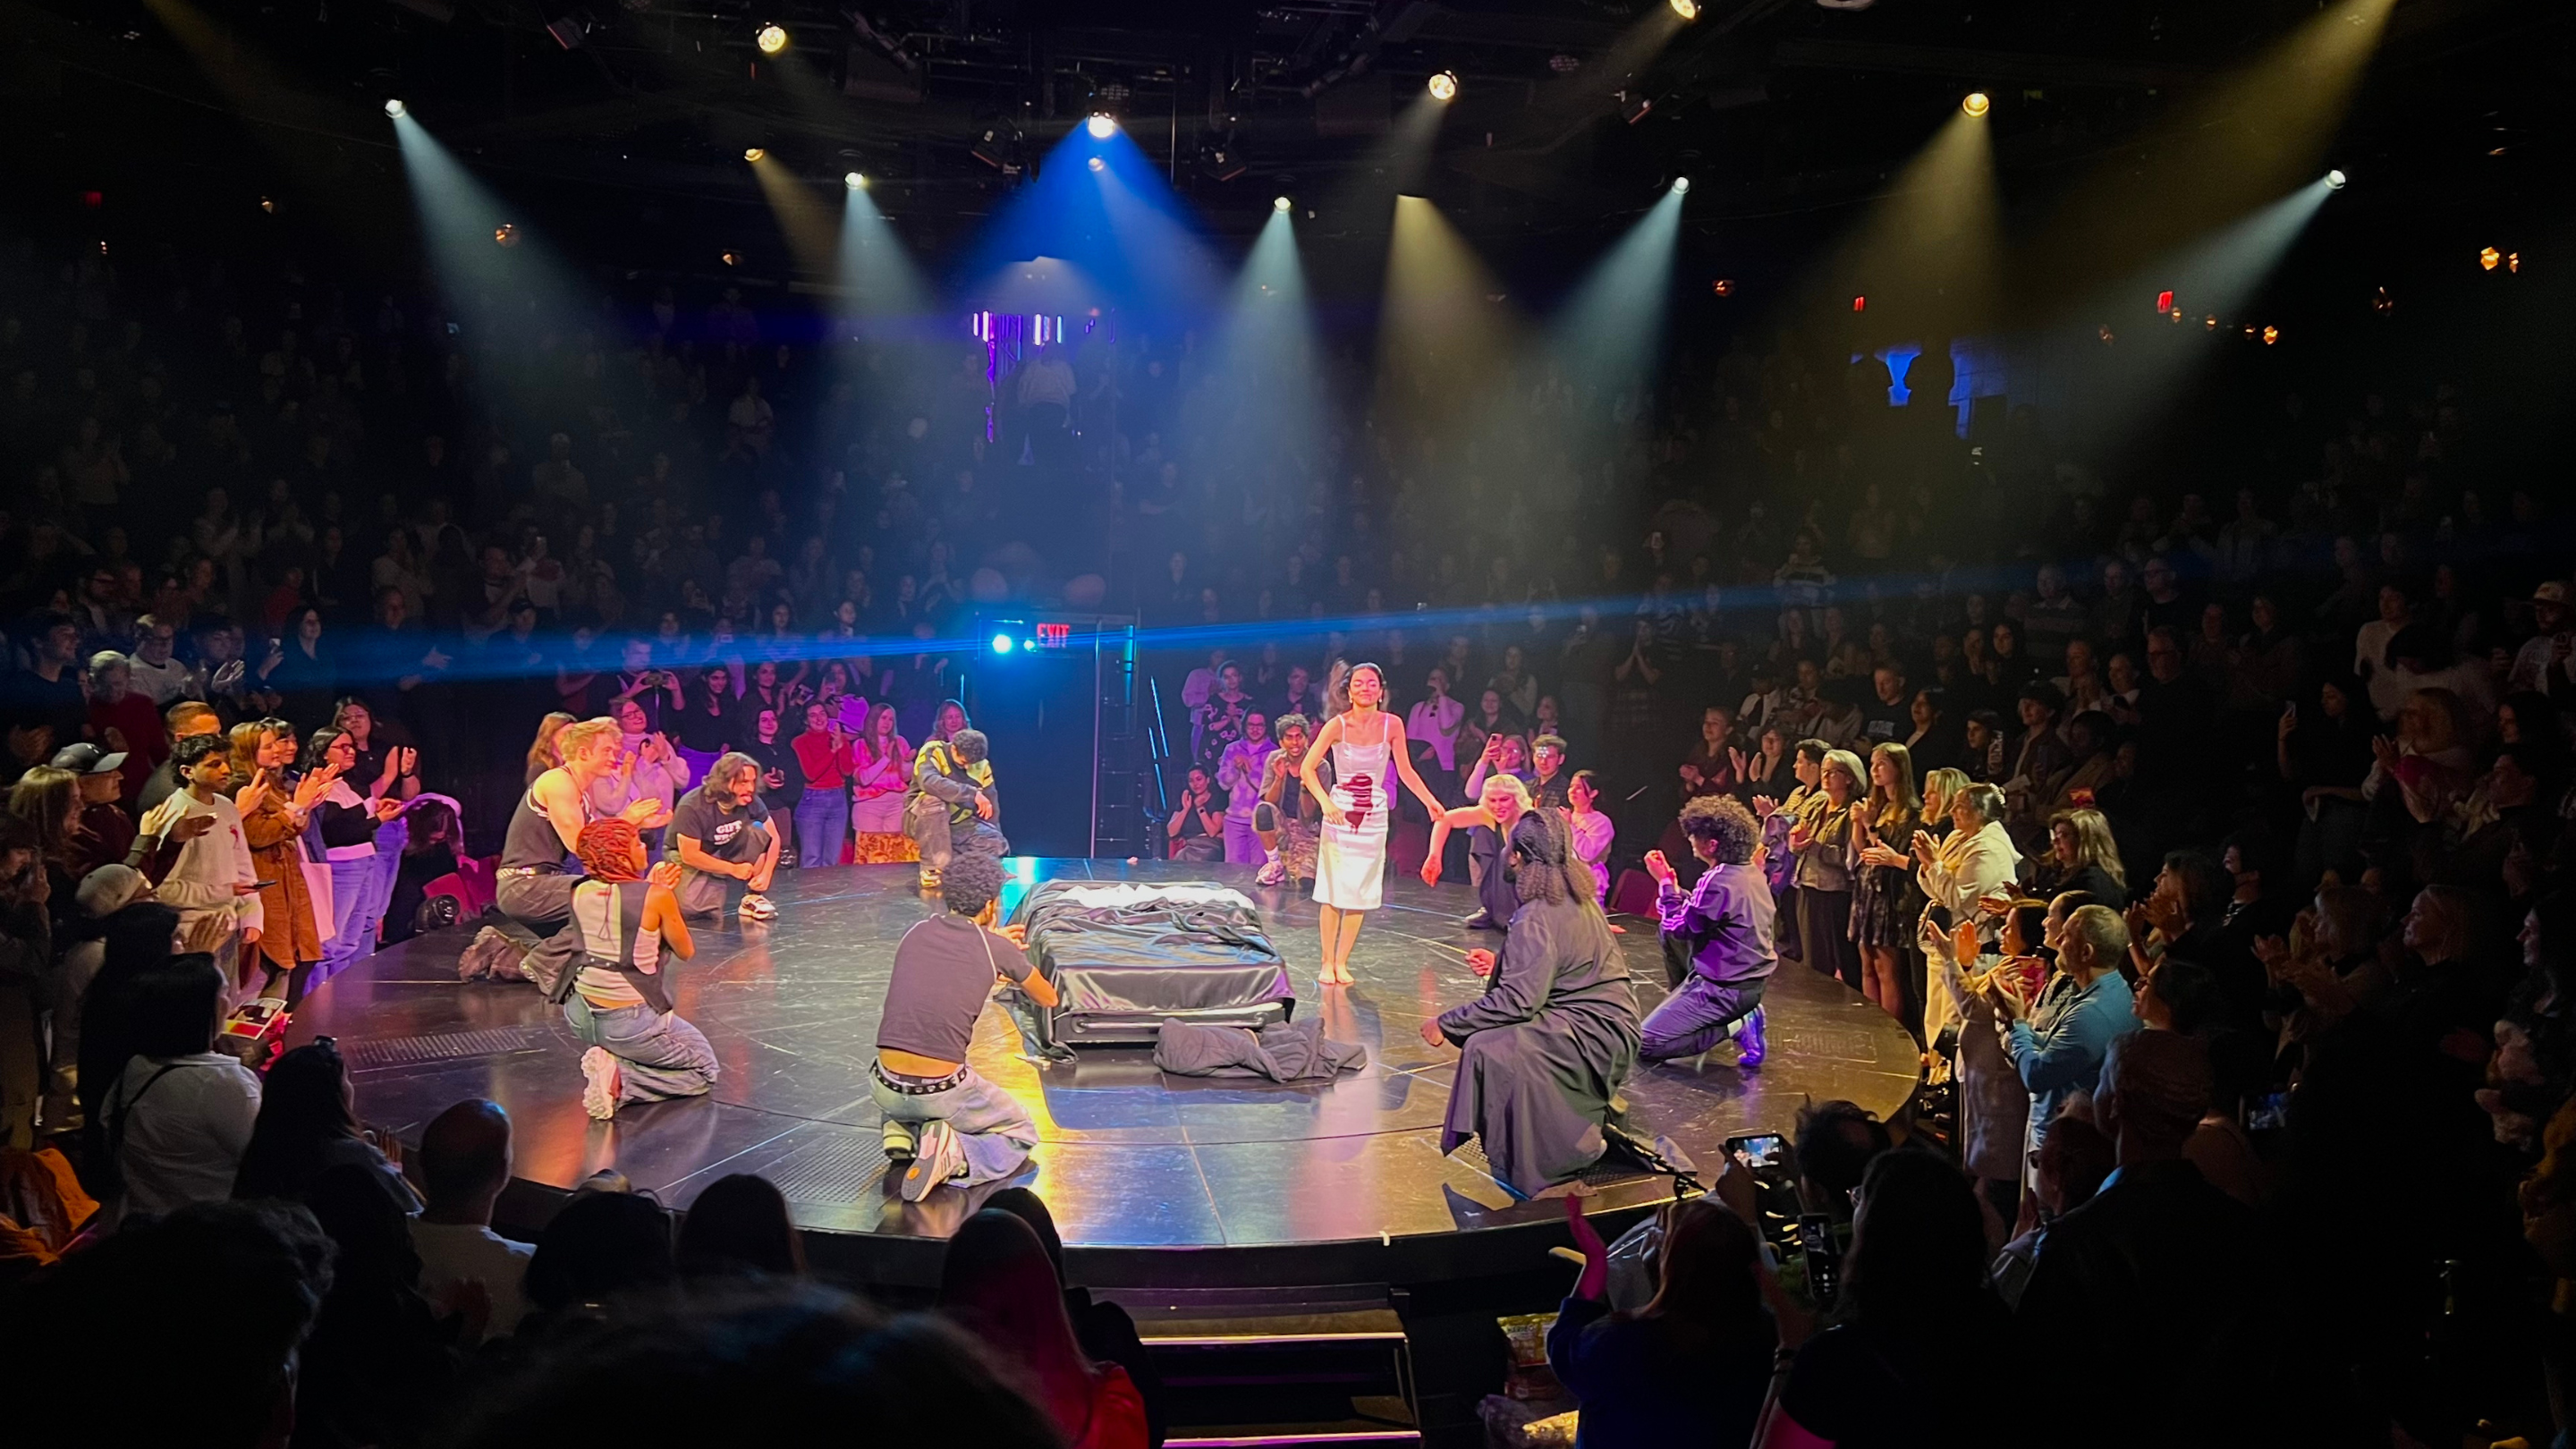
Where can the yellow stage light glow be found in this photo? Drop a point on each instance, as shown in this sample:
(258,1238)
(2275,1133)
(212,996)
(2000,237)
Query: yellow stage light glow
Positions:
(2489,258)
(2513,261)
(771,38)
(1444,86)
(753,153)
(1686,9)
(1977,103)
(1281,203)
(733,259)
(506,234)
(2271,335)
(1096,164)
(394,108)
(855,181)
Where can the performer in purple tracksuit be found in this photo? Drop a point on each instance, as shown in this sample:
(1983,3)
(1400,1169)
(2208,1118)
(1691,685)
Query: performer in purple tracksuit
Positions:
(1717,940)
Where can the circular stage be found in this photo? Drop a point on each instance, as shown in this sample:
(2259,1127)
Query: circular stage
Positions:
(1153,1179)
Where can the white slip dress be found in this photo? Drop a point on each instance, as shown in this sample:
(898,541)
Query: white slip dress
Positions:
(1350,860)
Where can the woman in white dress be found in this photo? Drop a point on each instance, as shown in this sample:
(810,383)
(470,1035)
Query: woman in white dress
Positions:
(1364,743)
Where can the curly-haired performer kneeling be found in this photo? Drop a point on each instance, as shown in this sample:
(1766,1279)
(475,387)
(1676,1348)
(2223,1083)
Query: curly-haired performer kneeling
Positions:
(1717,940)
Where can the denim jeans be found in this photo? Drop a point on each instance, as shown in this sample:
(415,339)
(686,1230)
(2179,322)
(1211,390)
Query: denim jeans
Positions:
(658,1054)
(994,1129)
(1697,1016)
(822,820)
(361,889)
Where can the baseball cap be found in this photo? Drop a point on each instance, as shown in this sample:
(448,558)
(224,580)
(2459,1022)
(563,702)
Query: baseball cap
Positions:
(2551,592)
(87,759)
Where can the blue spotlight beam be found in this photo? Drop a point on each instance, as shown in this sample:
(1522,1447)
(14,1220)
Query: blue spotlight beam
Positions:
(1122,226)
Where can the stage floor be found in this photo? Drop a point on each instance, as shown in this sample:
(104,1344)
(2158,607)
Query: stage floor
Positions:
(1131,1159)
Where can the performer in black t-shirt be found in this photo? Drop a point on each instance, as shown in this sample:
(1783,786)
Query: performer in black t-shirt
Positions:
(720,831)
(941,1117)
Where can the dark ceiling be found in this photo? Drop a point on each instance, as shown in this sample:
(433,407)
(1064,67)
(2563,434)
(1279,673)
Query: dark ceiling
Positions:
(1775,108)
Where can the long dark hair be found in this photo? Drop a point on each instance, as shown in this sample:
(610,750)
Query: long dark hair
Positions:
(1918,1258)
(303,1111)
(1706,1273)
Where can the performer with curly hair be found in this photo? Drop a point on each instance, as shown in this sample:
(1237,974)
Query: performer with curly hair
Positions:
(1287,818)
(1363,742)
(640,1050)
(1544,1049)
(1718,952)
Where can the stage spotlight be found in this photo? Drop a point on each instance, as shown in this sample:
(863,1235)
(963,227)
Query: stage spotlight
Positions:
(2335,180)
(1002,644)
(395,108)
(1686,9)
(1102,126)
(1977,103)
(753,153)
(855,181)
(1281,203)
(2271,335)
(1444,86)
(1096,164)
(506,234)
(1681,183)
(771,38)
(2489,258)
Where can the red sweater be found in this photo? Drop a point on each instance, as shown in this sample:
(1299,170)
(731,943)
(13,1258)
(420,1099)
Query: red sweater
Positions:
(825,768)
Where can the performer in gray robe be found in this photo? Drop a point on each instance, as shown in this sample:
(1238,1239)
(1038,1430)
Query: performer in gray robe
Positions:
(1544,1049)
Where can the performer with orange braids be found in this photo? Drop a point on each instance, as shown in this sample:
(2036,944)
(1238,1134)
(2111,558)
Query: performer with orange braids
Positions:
(632,929)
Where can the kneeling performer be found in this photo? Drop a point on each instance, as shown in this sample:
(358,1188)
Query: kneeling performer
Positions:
(1717,940)
(1544,1049)
(940,1115)
(640,1049)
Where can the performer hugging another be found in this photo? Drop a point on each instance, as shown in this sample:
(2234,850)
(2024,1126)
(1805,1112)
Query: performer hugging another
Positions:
(1718,954)
(953,808)
(1545,1048)
(640,1049)
(940,1115)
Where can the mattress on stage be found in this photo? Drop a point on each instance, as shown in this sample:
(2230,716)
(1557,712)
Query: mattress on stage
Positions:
(1125,958)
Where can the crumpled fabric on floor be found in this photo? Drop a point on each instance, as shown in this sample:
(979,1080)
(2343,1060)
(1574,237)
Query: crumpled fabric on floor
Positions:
(1287,1051)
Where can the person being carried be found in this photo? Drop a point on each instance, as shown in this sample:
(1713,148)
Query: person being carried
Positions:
(943,1120)
(1717,939)
(720,831)
(631,929)
(953,807)
(1545,1048)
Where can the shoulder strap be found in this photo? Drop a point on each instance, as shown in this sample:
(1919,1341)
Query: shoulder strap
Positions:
(125,1112)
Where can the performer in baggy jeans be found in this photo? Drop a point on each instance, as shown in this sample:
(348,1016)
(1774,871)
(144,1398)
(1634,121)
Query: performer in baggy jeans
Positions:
(943,1120)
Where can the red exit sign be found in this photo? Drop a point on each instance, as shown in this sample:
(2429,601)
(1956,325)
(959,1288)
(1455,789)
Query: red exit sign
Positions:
(1053,636)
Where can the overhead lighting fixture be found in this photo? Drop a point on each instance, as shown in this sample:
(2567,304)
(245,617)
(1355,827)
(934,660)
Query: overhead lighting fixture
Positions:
(733,259)
(1096,164)
(1680,184)
(753,153)
(506,234)
(2335,180)
(1102,125)
(855,181)
(1281,203)
(771,38)
(1686,9)
(1444,86)
(1633,109)
(1976,103)
(1723,286)
(1003,644)
(2271,335)
(396,109)
(2489,258)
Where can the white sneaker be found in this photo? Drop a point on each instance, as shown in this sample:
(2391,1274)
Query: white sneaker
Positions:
(940,1157)
(757,907)
(1273,871)
(600,1086)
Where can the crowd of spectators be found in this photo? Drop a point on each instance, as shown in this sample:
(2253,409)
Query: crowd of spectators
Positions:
(2209,837)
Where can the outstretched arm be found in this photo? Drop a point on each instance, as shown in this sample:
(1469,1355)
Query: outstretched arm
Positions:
(1520,985)
(1404,767)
